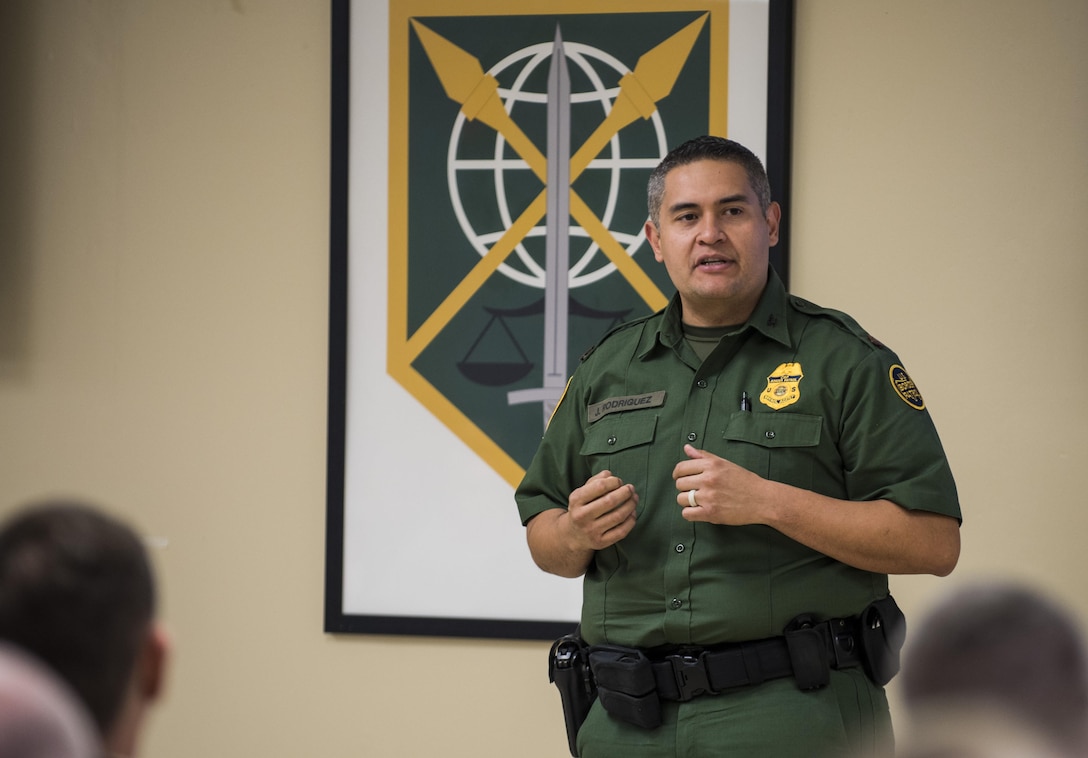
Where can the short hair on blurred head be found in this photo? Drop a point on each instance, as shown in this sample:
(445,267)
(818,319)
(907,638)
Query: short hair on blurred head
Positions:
(77,590)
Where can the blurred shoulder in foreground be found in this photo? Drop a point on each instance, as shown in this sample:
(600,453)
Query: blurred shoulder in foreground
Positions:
(40,716)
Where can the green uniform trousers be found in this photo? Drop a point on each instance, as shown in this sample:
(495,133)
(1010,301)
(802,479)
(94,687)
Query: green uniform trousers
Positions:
(847,719)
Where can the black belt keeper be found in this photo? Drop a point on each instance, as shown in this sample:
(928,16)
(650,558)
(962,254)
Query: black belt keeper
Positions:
(808,654)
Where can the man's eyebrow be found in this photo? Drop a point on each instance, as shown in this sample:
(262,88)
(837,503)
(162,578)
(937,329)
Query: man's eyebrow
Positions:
(740,197)
(677,207)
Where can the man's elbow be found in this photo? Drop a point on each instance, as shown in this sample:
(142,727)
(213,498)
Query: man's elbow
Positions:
(946,549)
(550,565)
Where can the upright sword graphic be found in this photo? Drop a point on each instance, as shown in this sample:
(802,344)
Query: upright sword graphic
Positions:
(557,246)
(466,83)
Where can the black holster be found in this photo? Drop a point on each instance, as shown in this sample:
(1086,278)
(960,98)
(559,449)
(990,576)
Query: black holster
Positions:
(568,670)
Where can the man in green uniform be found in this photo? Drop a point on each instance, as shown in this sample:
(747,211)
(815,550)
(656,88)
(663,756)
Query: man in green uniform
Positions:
(740,464)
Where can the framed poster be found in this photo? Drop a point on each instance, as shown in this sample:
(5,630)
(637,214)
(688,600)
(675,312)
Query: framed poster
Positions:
(488,172)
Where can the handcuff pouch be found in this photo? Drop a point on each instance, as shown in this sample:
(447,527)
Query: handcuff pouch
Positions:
(882,629)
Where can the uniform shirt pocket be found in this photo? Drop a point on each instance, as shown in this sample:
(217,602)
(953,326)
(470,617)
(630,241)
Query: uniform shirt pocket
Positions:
(622,444)
(778,446)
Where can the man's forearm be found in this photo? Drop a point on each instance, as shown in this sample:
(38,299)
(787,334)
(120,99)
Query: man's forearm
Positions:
(877,536)
(552,547)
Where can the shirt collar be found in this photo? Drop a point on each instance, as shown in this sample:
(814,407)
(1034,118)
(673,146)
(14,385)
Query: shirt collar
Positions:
(769,317)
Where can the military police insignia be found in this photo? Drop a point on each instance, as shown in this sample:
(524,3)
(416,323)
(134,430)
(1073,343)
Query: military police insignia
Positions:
(523,141)
(904,387)
(783,386)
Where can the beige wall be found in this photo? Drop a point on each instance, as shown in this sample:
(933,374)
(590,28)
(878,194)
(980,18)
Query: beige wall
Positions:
(163,264)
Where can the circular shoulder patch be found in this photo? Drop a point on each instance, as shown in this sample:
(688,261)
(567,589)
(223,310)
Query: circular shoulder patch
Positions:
(904,387)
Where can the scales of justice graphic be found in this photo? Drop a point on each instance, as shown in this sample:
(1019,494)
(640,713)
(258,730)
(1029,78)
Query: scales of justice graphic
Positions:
(565,214)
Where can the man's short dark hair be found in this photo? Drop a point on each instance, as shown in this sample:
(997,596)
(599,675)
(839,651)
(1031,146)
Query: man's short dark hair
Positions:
(707,148)
(77,591)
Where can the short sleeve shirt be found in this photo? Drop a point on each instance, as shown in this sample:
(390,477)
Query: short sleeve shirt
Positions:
(831,410)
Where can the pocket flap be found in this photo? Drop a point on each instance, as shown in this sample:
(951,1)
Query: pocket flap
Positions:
(774,429)
(610,435)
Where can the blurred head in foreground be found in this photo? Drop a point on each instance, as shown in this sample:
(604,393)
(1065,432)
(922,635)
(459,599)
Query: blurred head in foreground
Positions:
(77,592)
(997,668)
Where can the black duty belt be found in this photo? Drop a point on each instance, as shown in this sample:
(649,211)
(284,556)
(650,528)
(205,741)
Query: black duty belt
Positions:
(805,653)
(689,673)
(631,683)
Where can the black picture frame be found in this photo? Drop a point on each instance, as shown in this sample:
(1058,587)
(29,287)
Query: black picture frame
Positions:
(337,618)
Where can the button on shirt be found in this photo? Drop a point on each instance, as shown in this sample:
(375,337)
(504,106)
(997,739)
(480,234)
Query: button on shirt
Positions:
(842,429)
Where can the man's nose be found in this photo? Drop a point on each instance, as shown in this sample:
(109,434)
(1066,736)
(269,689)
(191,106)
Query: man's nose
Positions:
(710,229)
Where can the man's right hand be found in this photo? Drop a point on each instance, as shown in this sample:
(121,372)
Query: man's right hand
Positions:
(600,513)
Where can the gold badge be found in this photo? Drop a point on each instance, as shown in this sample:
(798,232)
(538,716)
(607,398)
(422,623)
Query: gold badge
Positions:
(783,386)
(904,387)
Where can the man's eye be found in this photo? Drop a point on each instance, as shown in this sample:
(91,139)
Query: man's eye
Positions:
(734,211)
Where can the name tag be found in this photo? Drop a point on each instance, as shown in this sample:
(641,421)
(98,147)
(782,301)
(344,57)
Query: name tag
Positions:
(626,403)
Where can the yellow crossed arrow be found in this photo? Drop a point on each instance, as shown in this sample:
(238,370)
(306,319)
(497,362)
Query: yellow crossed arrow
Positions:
(640,91)
(465,82)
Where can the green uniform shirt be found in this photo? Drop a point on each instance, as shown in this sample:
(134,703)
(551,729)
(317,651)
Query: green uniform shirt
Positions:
(832,411)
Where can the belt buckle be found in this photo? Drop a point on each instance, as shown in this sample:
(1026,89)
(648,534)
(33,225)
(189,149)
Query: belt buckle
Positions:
(689,671)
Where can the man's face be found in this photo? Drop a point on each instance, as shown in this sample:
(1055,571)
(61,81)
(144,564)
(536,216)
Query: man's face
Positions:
(714,241)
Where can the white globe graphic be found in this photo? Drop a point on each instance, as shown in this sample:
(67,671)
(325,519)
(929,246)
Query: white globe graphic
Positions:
(588,264)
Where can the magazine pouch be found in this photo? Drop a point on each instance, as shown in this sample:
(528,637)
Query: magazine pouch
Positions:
(626,685)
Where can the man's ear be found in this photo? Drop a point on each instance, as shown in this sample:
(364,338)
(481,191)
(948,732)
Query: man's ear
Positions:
(654,238)
(151,676)
(774,221)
